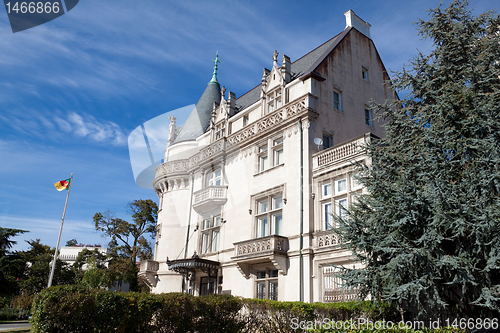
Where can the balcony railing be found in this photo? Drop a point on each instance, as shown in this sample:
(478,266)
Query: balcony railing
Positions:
(209,198)
(148,271)
(340,295)
(264,245)
(342,152)
(326,238)
(149,266)
(268,122)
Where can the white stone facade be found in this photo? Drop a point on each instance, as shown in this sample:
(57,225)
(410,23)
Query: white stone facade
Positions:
(251,195)
(69,254)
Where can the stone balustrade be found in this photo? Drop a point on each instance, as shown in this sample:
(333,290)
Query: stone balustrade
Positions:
(267,122)
(327,238)
(149,266)
(339,153)
(268,244)
(209,198)
(340,295)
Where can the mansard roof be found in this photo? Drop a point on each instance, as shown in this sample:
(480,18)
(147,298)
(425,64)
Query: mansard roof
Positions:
(199,119)
(300,68)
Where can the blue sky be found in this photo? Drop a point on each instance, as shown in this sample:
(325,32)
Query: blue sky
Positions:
(73,89)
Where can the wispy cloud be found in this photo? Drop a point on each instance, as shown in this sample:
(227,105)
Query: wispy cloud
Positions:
(47,230)
(37,123)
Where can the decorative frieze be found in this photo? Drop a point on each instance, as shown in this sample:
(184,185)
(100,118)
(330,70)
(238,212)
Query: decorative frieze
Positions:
(327,239)
(294,129)
(295,108)
(242,135)
(269,121)
(273,120)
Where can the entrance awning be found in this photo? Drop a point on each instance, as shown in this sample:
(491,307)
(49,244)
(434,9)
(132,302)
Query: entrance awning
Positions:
(184,266)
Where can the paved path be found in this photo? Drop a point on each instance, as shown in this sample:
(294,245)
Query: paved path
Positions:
(14,325)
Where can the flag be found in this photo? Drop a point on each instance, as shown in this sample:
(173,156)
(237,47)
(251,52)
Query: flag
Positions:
(62,185)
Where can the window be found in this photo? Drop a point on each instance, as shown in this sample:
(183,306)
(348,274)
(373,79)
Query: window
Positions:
(207,286)
(368,117)
(327,216)
(210,231)
(337,101)
(262,158)
(327,141)
(364,73)
(340,185)
(262,221)
(355,196)
(274,101)
(334,200)
(278,151)
(267,284)
(354,181)
(326,190)
(270,222)
(215,178)
(220,130)
(341,206)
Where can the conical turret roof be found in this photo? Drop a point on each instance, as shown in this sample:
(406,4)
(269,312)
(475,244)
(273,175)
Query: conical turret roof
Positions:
(199,119)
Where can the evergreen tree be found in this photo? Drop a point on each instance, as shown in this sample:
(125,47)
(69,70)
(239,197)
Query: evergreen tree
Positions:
(429,229)
(11,264)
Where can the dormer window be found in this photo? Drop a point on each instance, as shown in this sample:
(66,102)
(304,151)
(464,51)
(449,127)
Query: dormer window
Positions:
(220,130)
(274,101)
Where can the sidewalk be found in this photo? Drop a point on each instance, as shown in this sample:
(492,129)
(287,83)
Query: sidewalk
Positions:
(14,325)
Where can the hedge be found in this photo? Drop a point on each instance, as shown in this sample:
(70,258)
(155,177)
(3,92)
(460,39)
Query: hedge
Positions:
(75,309)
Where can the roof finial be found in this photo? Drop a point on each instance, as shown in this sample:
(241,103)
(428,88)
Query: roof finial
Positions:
(275,58)
(216,61)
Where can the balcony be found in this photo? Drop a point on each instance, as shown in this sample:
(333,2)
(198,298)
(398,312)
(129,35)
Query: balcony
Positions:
(342,154)
(340,295)
(209,198)
(272,249)
(148,271)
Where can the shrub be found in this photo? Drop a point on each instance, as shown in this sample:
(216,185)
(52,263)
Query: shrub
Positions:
(219,313)
(24,303)
(78,309)
(9,314)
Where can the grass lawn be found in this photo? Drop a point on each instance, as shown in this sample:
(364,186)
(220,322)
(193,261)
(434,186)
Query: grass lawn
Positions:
(18,330)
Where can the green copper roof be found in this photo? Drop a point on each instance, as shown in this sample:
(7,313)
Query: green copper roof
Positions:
(216,61)
(199,119)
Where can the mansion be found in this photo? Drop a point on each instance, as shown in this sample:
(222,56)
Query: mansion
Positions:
(249,185)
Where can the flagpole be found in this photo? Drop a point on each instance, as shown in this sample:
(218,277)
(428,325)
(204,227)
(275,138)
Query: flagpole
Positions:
(60,233)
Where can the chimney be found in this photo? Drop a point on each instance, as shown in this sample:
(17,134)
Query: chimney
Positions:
(353,20)
(232,103)
(286,68)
